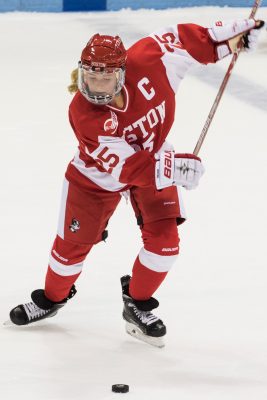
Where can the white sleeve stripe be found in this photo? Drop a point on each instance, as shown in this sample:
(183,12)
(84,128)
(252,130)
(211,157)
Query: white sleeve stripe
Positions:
(155,262)
(64,270)
(169,29)
(115,150)
(102,179)
(178,60)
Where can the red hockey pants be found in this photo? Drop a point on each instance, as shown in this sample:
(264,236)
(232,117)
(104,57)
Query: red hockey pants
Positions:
(83,218)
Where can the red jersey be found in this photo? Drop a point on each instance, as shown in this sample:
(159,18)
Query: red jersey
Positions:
(117,146)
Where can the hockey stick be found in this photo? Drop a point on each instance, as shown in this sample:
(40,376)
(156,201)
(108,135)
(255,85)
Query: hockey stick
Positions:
(222,87)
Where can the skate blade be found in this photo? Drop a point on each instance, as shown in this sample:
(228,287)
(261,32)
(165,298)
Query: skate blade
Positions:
(135,332)
(10,323)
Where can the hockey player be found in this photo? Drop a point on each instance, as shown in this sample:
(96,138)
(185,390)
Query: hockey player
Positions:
(121,115)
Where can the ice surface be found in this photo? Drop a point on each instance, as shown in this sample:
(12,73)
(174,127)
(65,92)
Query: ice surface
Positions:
(213,301)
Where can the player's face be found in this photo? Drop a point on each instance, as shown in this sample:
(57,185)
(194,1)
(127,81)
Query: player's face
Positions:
(100,86)
(101,82)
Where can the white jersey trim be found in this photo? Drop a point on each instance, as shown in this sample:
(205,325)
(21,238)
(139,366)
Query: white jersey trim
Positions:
(126,99)
(155,262)
(102,179)
(116,150)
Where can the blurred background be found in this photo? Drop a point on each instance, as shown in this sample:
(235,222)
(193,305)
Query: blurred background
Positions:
(112,5)
(214,299)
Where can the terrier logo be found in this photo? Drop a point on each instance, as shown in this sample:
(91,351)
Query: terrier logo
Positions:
(75,225)
(111,124)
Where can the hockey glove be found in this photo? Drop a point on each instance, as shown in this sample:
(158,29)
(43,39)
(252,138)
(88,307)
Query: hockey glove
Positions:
(227,35)
(178,169)
(250,39)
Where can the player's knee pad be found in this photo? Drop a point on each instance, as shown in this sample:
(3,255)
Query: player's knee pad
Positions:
(161,237)
(161,245)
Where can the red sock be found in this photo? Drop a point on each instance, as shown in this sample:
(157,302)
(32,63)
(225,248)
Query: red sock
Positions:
(144,281)
(57,287)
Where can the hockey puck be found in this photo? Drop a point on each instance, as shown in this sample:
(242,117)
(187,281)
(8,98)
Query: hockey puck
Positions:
(120,388)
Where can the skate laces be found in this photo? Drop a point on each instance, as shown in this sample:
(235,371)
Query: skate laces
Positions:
(146,317)
(33,311)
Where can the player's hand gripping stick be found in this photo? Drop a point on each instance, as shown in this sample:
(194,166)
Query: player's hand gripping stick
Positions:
(248,38)
(178,169)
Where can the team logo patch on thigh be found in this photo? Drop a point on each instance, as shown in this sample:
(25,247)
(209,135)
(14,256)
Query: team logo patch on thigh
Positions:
(75,225)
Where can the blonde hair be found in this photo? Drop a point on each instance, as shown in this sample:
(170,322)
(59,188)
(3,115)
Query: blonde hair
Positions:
(73,87)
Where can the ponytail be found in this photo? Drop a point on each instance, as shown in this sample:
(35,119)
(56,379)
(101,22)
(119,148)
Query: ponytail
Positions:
(73,87)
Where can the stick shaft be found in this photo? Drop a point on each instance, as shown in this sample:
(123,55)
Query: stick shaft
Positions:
(222,88)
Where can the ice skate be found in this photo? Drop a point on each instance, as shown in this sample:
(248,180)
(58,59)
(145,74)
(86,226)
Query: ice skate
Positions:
(39,308)
(140,322)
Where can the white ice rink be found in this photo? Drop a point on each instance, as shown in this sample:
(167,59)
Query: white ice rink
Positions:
(214,301)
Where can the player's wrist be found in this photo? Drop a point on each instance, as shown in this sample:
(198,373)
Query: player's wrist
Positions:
(164,169)
(177,169)
(226,35)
